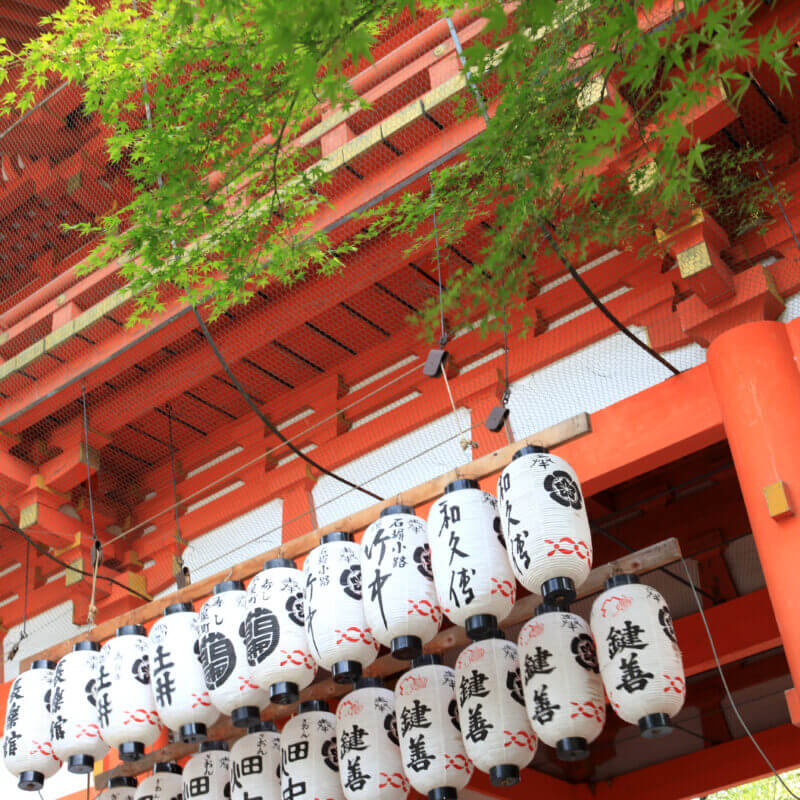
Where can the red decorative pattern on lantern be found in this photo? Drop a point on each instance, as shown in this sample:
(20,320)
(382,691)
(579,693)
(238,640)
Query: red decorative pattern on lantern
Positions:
(246,683)
(457,761)
(203,699)
(567,546)
(354,634)
(531,631)
(91,731)
(142,715)
(45,748)
(587,709)
(520,739)
(676,684)
(504,587)
(412,683)
(615,605)
(470,656)
(425,609)
(396,779)
(298,658)
(349,708)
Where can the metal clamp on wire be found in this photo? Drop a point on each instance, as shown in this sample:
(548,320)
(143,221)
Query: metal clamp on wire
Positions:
(436,360)
(97,553)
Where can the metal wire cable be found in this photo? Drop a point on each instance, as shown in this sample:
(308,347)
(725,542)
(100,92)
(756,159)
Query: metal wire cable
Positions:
(180,577)
(88,468)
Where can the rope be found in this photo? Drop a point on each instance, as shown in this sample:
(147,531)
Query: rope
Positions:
(464,442)
(180,576)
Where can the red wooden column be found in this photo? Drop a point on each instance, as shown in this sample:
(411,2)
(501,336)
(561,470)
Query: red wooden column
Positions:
(757,381)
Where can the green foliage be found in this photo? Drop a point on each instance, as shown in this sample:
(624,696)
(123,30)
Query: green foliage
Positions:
(230,85)
(767,789)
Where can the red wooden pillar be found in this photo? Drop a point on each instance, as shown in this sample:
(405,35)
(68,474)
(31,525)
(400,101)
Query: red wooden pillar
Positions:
(757,381)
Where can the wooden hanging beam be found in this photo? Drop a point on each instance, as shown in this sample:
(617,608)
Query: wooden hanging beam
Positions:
(646,560)
(487,465)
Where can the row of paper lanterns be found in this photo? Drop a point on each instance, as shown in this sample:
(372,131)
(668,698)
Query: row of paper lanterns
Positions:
(246,648)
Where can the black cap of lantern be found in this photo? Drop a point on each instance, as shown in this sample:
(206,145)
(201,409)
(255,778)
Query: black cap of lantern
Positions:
(168,766)
(652,726)
(626,579)
(443,793)
(261,726)
(426,660)
(548,608)
(193,732)
(274,563)
(43,663)
(131,630)
(573,748)
(130,751)
(369,682)
(122,780)
(346,671)
(177,608)
(312,705)
(504,775)
(245,716)
(481,626)
(30,781)
(86,644)
(228,586)
(461,483)
(284,693)
(81,764)
(397,508)
(529,450)
(558,590)
(215,744)
(406,648)
(336,536)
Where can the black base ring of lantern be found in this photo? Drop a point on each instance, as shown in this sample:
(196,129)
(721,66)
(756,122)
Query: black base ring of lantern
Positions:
(80,764)
(573,748)
(193,732)
(346,671)
(284,693)
(558,590)
(245,716)
(481,626)
(652,726)
(504,775)
(406,648)
(130,751)
(443,793)
(30,781)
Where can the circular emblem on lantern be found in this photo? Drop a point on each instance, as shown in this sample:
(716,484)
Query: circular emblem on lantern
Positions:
(295,608)
(583,649)
(665,620)
(390,725)
(261,631)
(452,710)
(218,657)
(350,579)
(514,686)
(422,558)
(563,489)
(141,670)
(329,754)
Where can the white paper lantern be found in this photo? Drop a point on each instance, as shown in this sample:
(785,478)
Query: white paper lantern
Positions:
(400,601)
(545,524)
(309,760)
(223,654)
(473,577)
(120,787)
(74,725)
(277,649)
(256,764)
(337,630)
(207,773)
(494,724)
(27,748)
(370,764)
(561,682)
(166,783)
(126,710)
(433,752)
(176,674)
(640,662)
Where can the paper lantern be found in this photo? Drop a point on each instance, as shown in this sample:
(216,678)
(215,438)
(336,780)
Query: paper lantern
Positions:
(562,686)
(275,635)
(309,761)
(74,724)
(336,627)
(126,710)
(433,752)
(176,674)
(166,783)
(27,749)
(473,578)
(545,524)
(207,773)
(120,787)
(400,601)
(370,764)
(494,724)
(256,764)
(223,654)
(640,662)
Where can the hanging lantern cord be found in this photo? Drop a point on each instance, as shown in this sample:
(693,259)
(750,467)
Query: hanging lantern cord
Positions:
(180,572)
(86,454)
(12,653)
